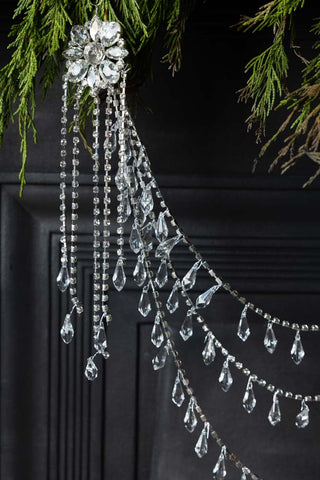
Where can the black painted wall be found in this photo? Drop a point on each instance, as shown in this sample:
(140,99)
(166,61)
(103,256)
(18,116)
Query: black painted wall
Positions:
(260,233)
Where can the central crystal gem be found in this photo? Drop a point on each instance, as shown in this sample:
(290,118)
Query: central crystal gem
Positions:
(93,53)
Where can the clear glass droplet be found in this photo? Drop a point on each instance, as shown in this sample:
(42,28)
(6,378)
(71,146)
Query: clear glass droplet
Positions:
(63,279)
(209,352)
(139,272)
(135,239)
(159,360)
(91,371)
(119,277)
(225,378)
(297,351)
(164,248)
(157,336)
(186,330)
(274,416)
(132,179)
(190,419)
(100,341)
(270,341)
(302,419)
(190,277)
(113,138)
(144,305)
(249,399)
(245,472)
(205,298)
(147,237)
(177,392)
(162,273)
(161,228)
(219,471)
(201,447)
(243,327)
(67,331)
(173,299)
(146,200)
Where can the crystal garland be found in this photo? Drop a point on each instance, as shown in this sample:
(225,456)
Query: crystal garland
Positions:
(95,60)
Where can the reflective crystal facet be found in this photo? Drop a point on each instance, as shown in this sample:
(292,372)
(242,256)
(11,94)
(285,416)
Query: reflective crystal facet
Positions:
(157,336)
(109,72)
(245,472)
(144,305)
(162,273)
(109,33)
(219,471)
(91,371)
(249,400)
(63,279)
(173,300)
(139,272)
(186,329)
(116,53)
(159,360)
(93,53)
(161,228)
(67,331)
(93,78)
(119,277)
(73,53)
(146,200)
(302,419)
(100,340)
(77,70)
(190,419)
(190,277)
(79,35)
(132,179)
(95,26)
(205,298)
(146,234)
(201,447)
(164,248)
(135,239)
(209,352)
(141,157)
(297,351)
(243,327)
(177,392)
(274,416)
(225,378)
(270,341)
(113,138)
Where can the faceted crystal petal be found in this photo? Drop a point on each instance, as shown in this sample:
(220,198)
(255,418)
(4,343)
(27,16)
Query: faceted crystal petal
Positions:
(93,53)
(164,248)
(144,305)
(79,35)
(249,400)
(63,279)
(190,277)
(73,53)
(177,392)
(146,234)
(77,70)
(173,300)
(243,327)
(302,419)
(119,277)
(219,471)
(95,26)
(225,378)
(162,274)
(274,416)
(160,359)
(109,72)
(297,351)
(161,228)
(93,78)
(270,341)
(209,352)
(67,331)
(135,239)
(146,200)
(139,272)
(116,53)
(91,371)
(186,330)
(205,298)
(201,447)
(190,419)
(109,33)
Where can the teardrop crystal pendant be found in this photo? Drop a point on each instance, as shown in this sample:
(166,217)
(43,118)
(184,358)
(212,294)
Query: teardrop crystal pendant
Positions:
(119,277)
(205,298)
(201,447)
(91,371)
(177,392)
(63,279)
(173,299)
(297,351)
(157,336)
(270,341)
(186,330)
(162,273)
(146,200)
(100,341)
(139,272)
(164,248)
(209,352)
(147,232)
(159,360)
(161,228)
(144,305)
(225,378)
(219,471)
(190,419)
(302,419)
(245,472)
(135,239)
(190,277)
(274,416)
(243,327)
(67,331)
(249,399)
